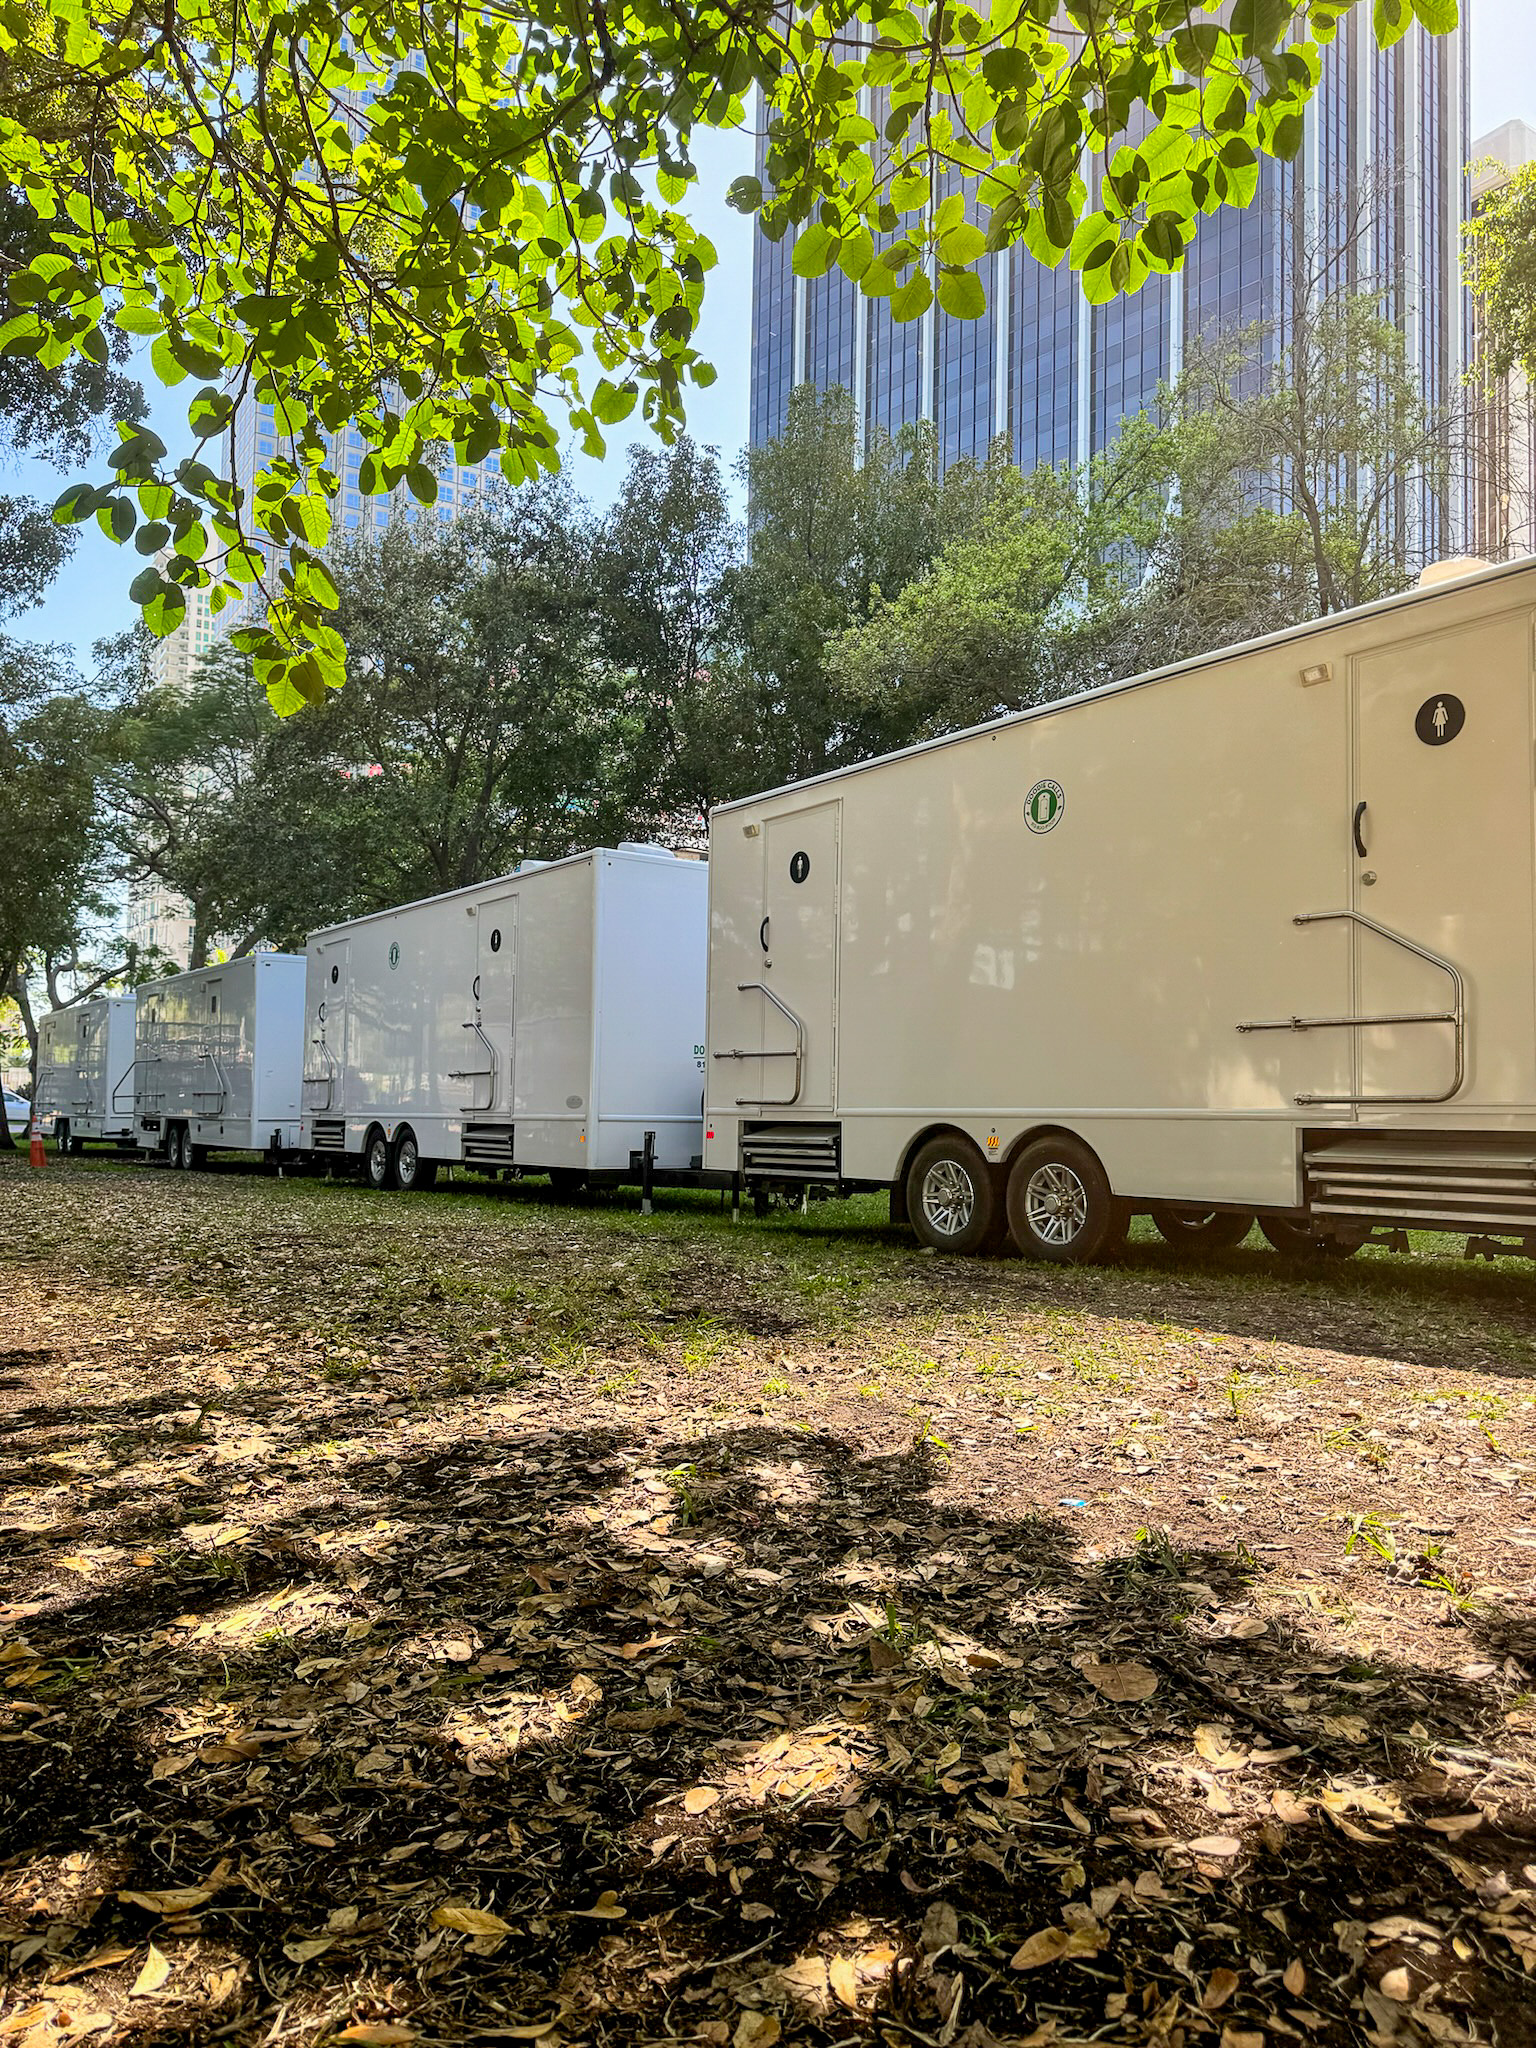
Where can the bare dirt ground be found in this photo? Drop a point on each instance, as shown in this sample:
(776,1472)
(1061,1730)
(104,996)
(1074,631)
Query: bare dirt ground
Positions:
(463,1618)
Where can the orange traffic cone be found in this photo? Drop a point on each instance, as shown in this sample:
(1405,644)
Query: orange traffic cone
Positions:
(36,1156)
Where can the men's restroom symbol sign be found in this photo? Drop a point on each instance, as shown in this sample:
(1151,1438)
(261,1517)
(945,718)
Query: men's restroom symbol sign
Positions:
(1440,719)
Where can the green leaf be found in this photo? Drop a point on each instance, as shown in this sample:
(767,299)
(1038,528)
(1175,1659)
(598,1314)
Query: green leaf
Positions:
(1439,17)
(1390,20)
(75,504)
(614,402)
(913,299)
(961,294)
(744,195)
(962,243)
(815,251)
(421,483)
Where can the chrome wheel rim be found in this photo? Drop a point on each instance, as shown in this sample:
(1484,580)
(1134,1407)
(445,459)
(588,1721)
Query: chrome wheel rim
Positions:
(1056,1203)
(378,1160)
(949,1198)
(405,1163)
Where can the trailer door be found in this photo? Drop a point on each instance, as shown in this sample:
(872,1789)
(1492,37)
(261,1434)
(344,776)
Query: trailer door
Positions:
(495,1006)
(790,1014)
(1442,853)
(325,1050)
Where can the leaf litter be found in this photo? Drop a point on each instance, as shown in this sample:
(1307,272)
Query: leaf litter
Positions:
(421,1623)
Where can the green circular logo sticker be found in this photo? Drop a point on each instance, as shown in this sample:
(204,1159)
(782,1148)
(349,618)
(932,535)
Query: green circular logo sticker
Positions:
(1044,805)
(394,954)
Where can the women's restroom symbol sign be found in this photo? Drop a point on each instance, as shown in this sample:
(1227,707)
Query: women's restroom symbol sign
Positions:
(1440,719)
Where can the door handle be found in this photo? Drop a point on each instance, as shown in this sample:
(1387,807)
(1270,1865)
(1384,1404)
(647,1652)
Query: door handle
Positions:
(762,935)
(1359,840)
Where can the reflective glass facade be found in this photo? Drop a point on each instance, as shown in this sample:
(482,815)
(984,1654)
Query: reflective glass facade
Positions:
(1059,377)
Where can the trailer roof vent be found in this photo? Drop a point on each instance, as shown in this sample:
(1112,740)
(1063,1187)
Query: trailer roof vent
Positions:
(645,846)
(1455,565)
(526,867)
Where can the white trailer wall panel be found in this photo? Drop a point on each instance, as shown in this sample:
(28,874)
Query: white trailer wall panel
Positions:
(546,1019)
(85,1068)
(1064,918)
(219,1051)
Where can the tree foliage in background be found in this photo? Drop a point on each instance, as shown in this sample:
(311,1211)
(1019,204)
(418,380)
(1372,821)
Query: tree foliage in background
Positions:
(481,728)
(1501,251)
(455,222)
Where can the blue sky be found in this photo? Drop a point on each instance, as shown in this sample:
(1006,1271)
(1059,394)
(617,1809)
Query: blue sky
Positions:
(90,598)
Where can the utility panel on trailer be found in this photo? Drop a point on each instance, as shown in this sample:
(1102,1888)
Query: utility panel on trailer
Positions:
(218,1058)
(1256,931)
(85,1071)
(546,1020)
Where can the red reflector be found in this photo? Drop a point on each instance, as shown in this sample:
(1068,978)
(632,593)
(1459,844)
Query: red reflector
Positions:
(709,1134)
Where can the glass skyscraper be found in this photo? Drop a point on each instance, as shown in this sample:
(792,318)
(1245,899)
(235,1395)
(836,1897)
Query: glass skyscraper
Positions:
(1054,377)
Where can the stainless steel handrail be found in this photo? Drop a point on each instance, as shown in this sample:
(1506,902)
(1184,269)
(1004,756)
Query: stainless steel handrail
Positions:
(477,1073)
(222,1091)
(125,1080)
(327,1080)
(797,1054)
(1456,1016)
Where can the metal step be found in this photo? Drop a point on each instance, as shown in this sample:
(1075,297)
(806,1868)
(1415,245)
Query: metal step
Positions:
(330,1133)
(792,1152)
(1482,1180)
(488,1144)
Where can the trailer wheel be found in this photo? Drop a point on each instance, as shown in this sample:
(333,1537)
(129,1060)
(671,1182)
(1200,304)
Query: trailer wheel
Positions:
(951,1199)
(566,1182)
(1201,1230)
(408,1170)
(1061,1206)
(1304,1241)
(376,1161)
(63,1144)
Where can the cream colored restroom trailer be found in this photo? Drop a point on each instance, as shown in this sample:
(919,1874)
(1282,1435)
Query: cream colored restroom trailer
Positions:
(85,1072)
(218,1059)
(1254,935)
(544,1022)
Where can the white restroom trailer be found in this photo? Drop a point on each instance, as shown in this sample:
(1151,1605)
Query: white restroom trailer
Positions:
(219,1059)
(1256,934)
(85,1072)
(546,1021)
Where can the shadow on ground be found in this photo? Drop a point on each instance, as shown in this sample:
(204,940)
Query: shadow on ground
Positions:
(635,1731)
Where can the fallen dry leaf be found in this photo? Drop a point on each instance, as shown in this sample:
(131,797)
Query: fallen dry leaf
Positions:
(756,2030)
(1295,1977)
(157,1967)
(470,1920)
(843,1976)
(1455,1824)
(377,2033)
(1219,1987)
(1121,1682)
(1396,1985)
(1051,1944)
(607,1908)
(700,1798)
(1215,1845)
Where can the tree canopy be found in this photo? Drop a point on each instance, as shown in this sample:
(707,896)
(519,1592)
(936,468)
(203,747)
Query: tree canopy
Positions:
(457,222)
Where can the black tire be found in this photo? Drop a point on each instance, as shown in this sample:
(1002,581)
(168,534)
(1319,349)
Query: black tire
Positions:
(63,1144)
(186,1157)
(1061,1207)
(1201,1230)
(378,1161)
(407,1169)
(1294,1240)
(566,1182)
(951,1196)
(171,1145)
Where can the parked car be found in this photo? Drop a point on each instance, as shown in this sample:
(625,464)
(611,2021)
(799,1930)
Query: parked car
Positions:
(18,1113)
